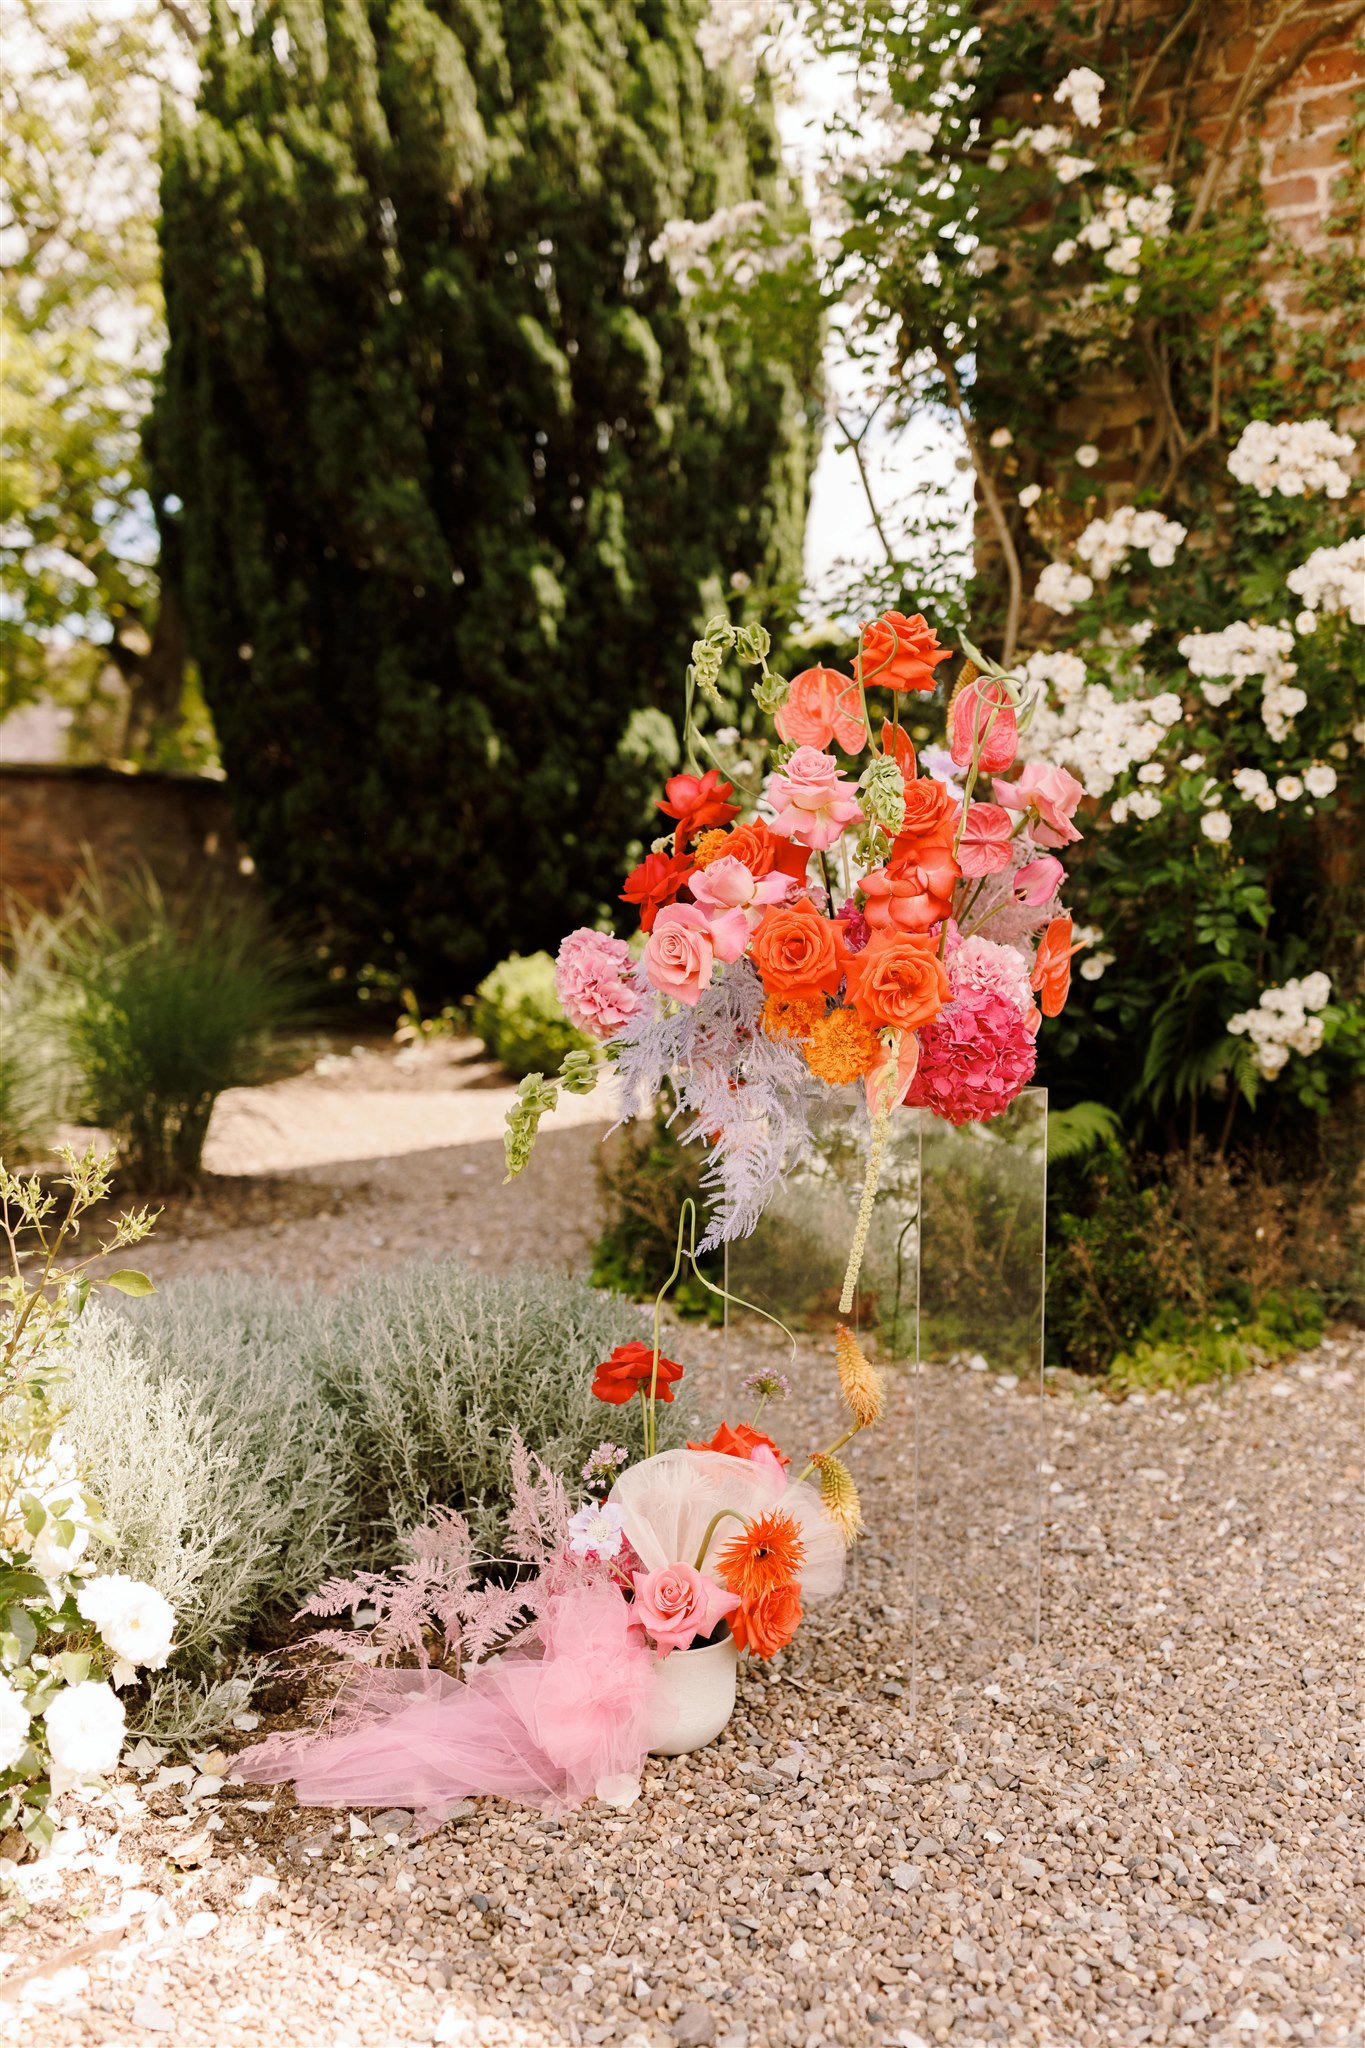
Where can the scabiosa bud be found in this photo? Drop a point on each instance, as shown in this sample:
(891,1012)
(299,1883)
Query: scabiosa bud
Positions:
(767,1386)
(859,1380)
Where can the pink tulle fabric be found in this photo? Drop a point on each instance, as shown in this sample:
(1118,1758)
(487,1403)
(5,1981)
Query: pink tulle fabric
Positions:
(543,1726)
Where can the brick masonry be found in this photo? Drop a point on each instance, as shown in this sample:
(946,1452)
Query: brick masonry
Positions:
(56,822)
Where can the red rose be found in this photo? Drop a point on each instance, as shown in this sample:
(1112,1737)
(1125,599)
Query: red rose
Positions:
(628,1372)
(697,801)
(741,1441)
(655,884)
(897,653)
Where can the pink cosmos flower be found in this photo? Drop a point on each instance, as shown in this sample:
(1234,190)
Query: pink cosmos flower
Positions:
(734,899)
(680,955)
(981,714)
(984,848)
(592,977)
(1052,793)
(975,1056)
(1038,881)
(676,1604)
(812,801)
(823,705)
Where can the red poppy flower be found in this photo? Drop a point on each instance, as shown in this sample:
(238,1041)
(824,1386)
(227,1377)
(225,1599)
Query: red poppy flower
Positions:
(740,1441)
(628,1372)
(655,883)
(697,801)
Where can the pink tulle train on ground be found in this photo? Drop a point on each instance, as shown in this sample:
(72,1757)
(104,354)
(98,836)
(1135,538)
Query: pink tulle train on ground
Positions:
(567,1720)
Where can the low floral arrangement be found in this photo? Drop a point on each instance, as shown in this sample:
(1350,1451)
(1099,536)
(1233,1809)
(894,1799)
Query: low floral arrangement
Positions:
(873,927)
(71,1637)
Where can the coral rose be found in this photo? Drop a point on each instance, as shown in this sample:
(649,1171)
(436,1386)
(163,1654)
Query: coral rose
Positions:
(767,1623)
(821,706)
(676,1604)
(680,954)
(654,883)
(1052,967)
(628,1372)
(982,715)
(696,801)
(740,1440)
(1051,794)
(899,981)
(912,898)
(799,952)
(762,851)
(930,822)
(897,653)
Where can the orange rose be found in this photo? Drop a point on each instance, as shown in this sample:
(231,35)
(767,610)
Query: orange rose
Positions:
(1052,967)
(762,851)
(930,823)
(767,1623)
(797,951)
(899,653)
(898,980)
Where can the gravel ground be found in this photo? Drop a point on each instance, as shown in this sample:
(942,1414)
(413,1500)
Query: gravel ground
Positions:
(1147,1830)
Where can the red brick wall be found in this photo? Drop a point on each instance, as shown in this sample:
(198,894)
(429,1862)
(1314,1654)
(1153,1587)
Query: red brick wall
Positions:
(56,821)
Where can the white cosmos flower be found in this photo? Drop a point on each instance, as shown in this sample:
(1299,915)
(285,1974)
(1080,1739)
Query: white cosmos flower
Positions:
(13,1726)
(85,1726)
(135,1620)
(1216,825)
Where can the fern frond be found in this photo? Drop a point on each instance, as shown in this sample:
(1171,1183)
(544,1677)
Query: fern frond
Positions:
(1084,1128)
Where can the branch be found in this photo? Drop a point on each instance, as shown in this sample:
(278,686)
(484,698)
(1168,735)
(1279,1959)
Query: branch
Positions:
(991,499)
(855,443)
(1167,42)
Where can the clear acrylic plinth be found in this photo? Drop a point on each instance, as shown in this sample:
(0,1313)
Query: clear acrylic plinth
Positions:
(950,1303)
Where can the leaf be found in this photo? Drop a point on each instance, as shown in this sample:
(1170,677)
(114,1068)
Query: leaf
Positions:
(128,1281)
(1072,1133)
(21,1626)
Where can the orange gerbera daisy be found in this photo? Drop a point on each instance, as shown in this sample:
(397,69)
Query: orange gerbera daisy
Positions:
(769,1553)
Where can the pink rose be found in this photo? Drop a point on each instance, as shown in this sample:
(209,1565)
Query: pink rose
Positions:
(812,800)
(1038,881)
(593,979)
(1052,794)
(734,899)
(676,1604)
(680,955)
(984,848)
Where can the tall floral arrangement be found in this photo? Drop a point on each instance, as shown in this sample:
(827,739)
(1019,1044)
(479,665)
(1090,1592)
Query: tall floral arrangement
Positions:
(868,928)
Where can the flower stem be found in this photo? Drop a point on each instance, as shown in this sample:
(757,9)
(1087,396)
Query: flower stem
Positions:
(828,1452)
(711,1528)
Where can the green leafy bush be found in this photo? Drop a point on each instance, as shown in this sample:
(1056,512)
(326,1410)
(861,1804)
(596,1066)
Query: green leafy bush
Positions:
(166,1006)
(1176,1354)
(247,1441)
(518,1016)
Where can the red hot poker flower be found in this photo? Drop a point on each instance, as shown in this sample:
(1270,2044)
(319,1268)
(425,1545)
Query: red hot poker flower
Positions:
(628,1372)
(697,801)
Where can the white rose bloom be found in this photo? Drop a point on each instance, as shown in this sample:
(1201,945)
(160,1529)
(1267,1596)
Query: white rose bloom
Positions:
(13,1726)
(1288,788)
(1331,580)
(1315,990)
(85,1726)
(1265,801)
(1295,458)
(1144,804)
(1062,588)
(1094,965)
(1069,168)
(1320,780)
(1306,622)
(1151,771)
(1081,90)
(52,1559)
(1216,825)
(1250,783)
(1087,455)
(1165,708)
(1064,251)
(135,1620)
(1339,751)
(1193,761)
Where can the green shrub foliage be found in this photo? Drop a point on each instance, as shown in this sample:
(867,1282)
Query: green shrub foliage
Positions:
(460,469)
(518,1016)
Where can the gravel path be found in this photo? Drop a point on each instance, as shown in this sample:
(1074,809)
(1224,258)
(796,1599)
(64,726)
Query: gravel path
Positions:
(1147,1831)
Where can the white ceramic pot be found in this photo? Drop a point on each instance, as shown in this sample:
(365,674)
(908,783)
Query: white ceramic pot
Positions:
(694,1699)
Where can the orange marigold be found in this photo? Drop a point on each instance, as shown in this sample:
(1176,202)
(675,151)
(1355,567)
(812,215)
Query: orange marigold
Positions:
(709,846)
(841,1047)
(792,1016)
(768,1553)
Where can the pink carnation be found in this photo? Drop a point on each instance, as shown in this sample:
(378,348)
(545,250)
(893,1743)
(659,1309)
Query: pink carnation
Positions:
(974,1058)
(592,977)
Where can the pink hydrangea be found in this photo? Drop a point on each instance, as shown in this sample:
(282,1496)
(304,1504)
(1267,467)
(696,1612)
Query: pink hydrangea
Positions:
(974,1058)
(981,966)
(593,979)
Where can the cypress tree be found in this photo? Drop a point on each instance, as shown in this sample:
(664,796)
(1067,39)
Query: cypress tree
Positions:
(455,470)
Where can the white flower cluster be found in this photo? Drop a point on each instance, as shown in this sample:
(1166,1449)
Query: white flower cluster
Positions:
(1293,457)
(1085,728)
(1106,543)
(1080,90)
(1254,785)
(1062,588)
(1331,580)
(1284,1022)
(684,244)
(1122,222)
(1224,661)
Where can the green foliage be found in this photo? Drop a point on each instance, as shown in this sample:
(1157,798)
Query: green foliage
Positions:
(248,1441)
(462,469)
(518,1016)
(37,1084)
(1174,1355)
(167,1005)
(646,1175)
(1076,1132)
